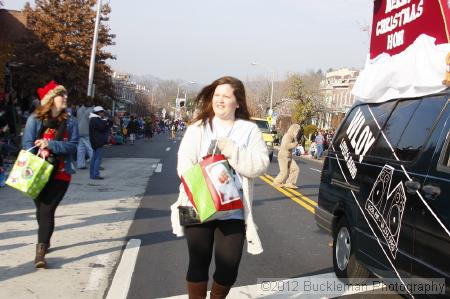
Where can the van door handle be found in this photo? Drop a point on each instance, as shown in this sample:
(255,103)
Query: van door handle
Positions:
(412,187)
(431,192)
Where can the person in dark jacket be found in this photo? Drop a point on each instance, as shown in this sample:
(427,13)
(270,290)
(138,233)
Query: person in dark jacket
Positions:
(132,128)
(98,135)
(55,133)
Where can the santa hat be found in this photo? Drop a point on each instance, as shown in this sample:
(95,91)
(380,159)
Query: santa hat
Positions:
(49,91)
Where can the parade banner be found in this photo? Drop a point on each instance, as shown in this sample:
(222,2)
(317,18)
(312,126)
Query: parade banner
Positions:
(398,23)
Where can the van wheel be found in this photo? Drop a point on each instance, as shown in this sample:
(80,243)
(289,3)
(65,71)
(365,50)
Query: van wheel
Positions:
(346,266)
(270,157)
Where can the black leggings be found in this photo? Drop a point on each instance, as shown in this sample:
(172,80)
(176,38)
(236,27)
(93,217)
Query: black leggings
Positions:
(228,236)
(46,204)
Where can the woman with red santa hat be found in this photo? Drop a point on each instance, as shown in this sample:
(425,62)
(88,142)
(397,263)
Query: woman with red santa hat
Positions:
(53,135)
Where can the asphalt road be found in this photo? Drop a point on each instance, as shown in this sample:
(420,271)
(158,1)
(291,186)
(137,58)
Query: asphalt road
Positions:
(293,245)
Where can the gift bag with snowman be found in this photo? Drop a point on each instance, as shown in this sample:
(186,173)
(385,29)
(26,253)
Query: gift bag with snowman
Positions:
(29,174)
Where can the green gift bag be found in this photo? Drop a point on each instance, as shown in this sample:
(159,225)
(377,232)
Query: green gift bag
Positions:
(29,174)
(196,187)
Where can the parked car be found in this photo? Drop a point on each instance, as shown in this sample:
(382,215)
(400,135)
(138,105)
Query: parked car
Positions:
(385,190)
(268,135)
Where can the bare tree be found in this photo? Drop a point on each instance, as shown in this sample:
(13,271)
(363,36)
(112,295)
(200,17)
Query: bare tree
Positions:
(258,96)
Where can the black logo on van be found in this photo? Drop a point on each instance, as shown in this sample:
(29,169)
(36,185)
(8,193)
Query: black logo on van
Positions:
(386,207)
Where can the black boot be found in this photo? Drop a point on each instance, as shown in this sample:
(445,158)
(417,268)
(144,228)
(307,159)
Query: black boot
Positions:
(39,260)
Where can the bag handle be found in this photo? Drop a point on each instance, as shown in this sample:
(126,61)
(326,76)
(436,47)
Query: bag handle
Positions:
(217,139)
(215,147)
(31,148)
(38,153)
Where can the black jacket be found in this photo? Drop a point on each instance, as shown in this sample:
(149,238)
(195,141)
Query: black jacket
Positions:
(98,131)
(133,127)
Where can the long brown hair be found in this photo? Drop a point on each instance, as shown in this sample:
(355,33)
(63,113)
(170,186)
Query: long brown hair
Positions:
(203,102)
(44,112)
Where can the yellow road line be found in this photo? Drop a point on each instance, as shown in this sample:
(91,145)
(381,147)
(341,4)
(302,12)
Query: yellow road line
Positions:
(297,200)
(310,201)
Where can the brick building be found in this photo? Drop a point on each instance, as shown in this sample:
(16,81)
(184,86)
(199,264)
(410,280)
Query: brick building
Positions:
(336,90)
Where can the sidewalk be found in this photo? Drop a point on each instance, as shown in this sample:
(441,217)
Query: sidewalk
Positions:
(91,224)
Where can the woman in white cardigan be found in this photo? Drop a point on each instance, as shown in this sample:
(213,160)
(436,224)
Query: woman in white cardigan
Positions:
(223,118)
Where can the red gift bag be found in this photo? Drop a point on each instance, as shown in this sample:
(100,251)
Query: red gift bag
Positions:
(219,178)
(211,189)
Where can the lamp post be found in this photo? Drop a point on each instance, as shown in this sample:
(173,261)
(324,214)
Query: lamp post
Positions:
(184,83)
(177,103)
(94,50)
(271,88)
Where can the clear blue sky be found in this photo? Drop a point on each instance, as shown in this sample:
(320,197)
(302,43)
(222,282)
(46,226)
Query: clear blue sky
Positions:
(201,40)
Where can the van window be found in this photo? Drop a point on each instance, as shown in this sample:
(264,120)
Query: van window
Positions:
(394,128)
(419,127)
(444,161)
(382,111)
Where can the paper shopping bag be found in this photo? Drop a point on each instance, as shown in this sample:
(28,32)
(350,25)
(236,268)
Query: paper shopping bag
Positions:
(29,174)
(211,189)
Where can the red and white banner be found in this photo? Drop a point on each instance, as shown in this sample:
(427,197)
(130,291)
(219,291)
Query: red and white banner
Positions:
(398,23)
(408,49)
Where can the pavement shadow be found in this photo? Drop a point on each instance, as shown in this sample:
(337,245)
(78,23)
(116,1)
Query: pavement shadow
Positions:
(55,263)
(16,217)
(318,272)
(12,246)
(311,195)
(261,202)
(125,214)
(309,186)
(149,239)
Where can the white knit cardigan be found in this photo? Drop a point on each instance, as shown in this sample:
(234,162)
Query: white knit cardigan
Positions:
(250,162)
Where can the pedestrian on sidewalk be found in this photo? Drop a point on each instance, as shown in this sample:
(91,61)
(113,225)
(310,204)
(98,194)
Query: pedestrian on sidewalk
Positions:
(223,118)
(56,135)
(320,140)
(132,128)
(313,149)
(98,135)
(287,164)
(173,129)
(84,144)
(148,128)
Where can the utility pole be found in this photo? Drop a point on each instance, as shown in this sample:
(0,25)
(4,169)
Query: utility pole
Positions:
(90,92)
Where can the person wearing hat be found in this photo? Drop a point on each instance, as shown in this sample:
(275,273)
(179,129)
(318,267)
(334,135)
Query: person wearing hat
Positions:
(53,134)
(98,135)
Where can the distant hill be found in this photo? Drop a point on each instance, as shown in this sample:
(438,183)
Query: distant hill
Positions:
(148,80)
